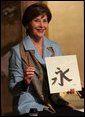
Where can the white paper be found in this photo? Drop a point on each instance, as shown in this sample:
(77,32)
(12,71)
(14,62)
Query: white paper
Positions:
(63,73)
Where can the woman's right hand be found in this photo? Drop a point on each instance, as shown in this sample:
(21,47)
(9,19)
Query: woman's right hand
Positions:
(28,74)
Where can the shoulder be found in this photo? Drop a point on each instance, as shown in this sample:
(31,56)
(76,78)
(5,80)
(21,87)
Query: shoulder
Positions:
(56,47)
(52,43)
(15,48)
(55,44)
(15,51)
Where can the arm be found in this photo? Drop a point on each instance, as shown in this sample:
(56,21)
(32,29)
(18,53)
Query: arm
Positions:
(16,82)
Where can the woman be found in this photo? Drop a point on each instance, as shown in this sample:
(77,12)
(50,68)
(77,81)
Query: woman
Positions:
(27,69)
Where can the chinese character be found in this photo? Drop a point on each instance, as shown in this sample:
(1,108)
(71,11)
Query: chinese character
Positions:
(62,76)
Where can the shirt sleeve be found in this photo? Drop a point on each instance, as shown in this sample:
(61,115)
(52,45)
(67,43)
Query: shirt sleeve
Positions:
(16,82)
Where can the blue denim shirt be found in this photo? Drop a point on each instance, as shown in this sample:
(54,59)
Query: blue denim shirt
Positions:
(26,99)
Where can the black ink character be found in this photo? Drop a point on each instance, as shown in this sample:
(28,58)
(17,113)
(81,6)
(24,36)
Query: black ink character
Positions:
(62,76)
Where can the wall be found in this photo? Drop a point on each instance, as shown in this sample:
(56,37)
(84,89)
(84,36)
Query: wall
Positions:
(67,28)
(11,30)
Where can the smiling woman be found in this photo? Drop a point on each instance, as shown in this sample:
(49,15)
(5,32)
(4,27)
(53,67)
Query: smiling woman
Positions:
(27,67)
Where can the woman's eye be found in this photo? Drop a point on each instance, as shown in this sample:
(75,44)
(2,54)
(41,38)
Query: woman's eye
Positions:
(36,20)
(45,20)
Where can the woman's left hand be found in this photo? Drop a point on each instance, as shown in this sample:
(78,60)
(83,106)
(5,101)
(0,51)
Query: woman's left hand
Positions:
(72,91)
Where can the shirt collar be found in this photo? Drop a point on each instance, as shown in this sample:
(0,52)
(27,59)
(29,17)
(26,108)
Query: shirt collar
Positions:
(28,44)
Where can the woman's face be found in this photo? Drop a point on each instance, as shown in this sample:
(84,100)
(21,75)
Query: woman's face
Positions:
(38,26)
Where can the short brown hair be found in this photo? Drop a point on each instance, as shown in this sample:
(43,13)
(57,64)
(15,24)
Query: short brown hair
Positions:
(35,10)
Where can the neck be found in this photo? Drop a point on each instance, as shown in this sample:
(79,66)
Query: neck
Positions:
(39,46)
(37,40)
